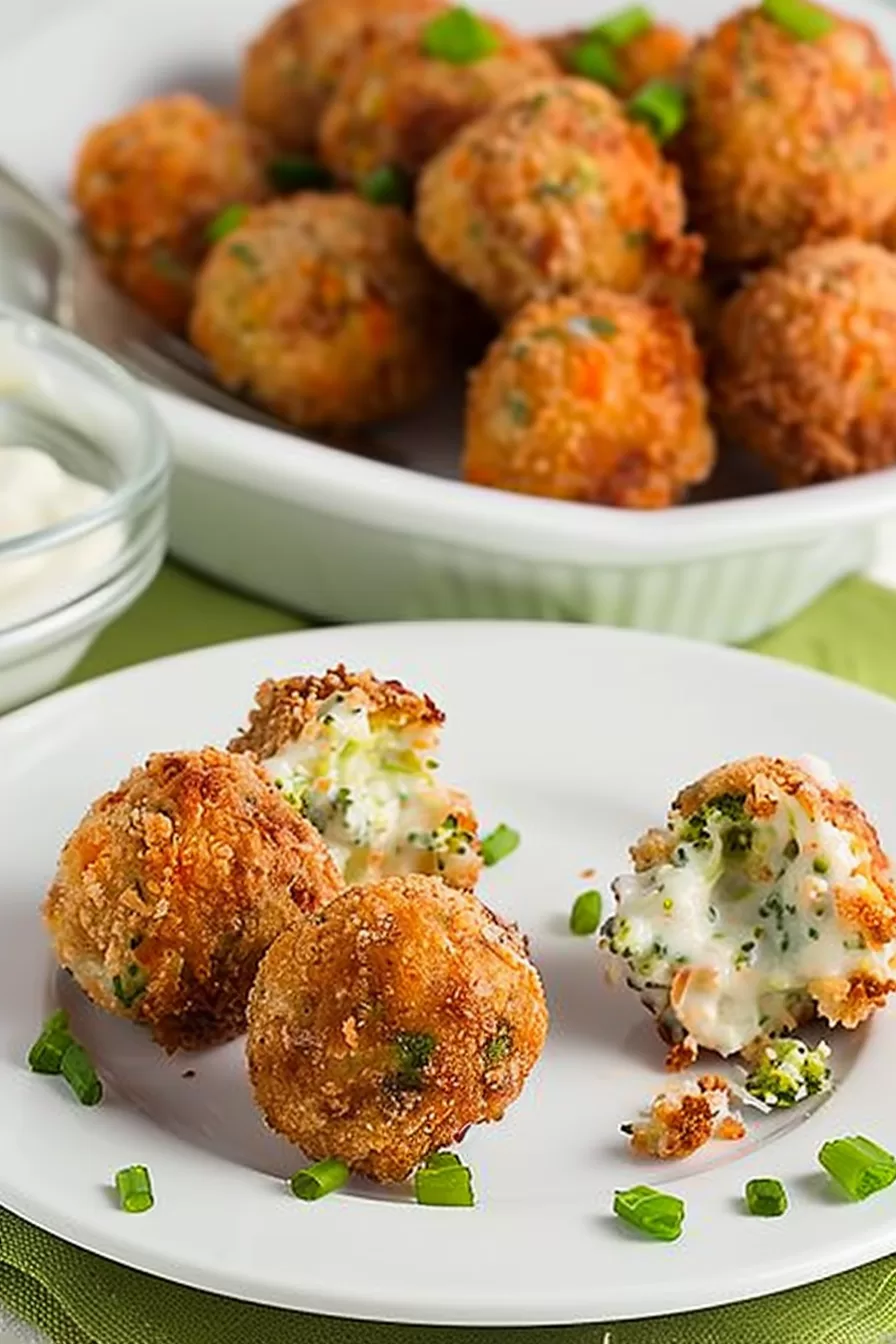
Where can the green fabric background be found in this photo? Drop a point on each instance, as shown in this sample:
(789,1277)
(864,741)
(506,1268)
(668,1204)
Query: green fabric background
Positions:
(76,1298)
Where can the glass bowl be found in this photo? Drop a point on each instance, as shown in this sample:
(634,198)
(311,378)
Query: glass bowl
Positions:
(60,395)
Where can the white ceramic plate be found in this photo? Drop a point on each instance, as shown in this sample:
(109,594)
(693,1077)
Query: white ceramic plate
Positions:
(354,538)
(577,737)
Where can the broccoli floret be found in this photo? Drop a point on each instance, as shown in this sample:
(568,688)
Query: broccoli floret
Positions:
(448,838)
(786,1071)
(726,813)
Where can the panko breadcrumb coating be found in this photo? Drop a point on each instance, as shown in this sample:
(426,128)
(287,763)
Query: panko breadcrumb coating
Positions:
(788,141)
(657,53)
(765,901)
(175,884)
(398,106)
(357,757)
(390,1022)
(147,184)
(291,69)
(554,189)
(805,366)
(595,397)
(684,1118)
(323,309)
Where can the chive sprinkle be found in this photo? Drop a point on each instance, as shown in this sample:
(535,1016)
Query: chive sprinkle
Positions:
(230,218)
(766,1197)
(320,1179)
(859,1166)
(134,1189)
(584,918)
(297,172)
(651,1211)
(459,36)
(78,1071)
(620,29)
(593,59)
(46,1054)
(386,186)
(804,21)
(660,105)
(448,1185)
(502,841)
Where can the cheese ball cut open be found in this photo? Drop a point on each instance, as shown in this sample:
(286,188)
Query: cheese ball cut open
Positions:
(174,885)
(357,757)
(390,1022)
(766,900)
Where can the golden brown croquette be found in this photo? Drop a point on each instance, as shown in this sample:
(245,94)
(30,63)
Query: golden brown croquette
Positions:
(788,141)
(147,184)
(553,190)
(805,365)
(595,397)
(174,885)
(390,1022)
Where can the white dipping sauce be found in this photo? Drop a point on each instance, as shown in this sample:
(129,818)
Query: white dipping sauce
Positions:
(36,493)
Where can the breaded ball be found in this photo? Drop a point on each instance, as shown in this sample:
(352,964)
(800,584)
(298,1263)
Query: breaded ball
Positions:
(659,52)
(174,885)
(396,105)
(291,69)
(324,310)
(805,365)
(554,189)
(148,183)
(788,141)
(390,1022)
(595,397)
(357,757)
(765,900)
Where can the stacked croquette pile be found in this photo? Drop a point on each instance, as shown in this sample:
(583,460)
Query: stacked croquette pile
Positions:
(680,250)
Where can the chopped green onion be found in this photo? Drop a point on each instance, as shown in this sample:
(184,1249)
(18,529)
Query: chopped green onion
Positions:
(593,59)
(297,172)
(650,1211)
(620,29)
(821,864)
(584,917)
(449,1186)
(244,253)
(859,1167)
(459,36)
(801,20)
(134,1189)
(386,186)
(766,1197)
(502,841)
(441,1161)
(319,1180)
(45,1055)
(230,218)
(660,105)
(81,1076)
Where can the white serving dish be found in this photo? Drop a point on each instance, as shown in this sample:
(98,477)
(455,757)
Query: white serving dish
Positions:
(345,537)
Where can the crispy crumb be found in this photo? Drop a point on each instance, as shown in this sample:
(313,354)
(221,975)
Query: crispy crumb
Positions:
(681,1055)
(686,1117)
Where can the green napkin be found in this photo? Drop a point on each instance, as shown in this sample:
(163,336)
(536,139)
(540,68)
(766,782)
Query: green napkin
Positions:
(76,1298)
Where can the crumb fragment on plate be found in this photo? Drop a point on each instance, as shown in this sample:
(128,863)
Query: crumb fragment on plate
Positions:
(685,1117)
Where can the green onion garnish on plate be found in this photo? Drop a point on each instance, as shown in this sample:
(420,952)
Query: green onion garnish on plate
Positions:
(46,1054)
(660,105)
(297,172)
(320,1179)
(593,59)
(459,36)
(799,18)
(83,1079)
(584,918)
(503,840)
(134,1189)
(858,1166)
(386,186)
(620,29)
(651,1211)
(228,219)
(444,1180)
(766,1197)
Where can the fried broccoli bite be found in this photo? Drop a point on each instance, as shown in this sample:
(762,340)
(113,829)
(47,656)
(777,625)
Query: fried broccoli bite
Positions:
(786,1071)
(174,885)
(323,309)
(553,190)
(595,397)
(390,1022)
(766,900)
(788,140)
(399,101)
(805,363)
(148,183)
(356,756)
(291,69)
(685,1117)
(653,51)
